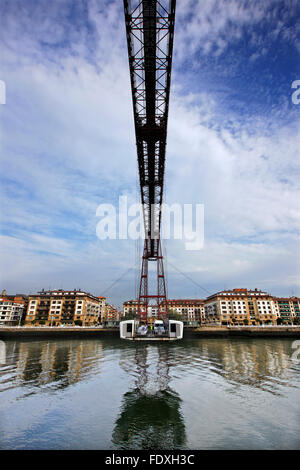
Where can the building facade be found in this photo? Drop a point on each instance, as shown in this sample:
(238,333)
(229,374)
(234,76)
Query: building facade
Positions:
(239,307)
(111,315)
(11,312)
(190,311)
(249,307)
(102,301)
(130,308)
(12,308)
(288,310)
(57,307)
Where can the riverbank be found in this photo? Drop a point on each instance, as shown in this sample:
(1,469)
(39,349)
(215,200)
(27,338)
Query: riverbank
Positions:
(57,332)
(245,331)
(213,331)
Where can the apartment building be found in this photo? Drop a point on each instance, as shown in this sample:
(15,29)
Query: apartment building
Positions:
(240,307)
(63,307)
(11,312)
(12,308)
(130,307)
(102,301)
(191,311)
(111,315)
(288,309)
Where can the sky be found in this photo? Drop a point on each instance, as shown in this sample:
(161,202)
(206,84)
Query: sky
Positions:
(67,145)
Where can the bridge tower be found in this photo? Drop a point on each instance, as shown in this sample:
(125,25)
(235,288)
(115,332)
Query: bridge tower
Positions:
(150,33)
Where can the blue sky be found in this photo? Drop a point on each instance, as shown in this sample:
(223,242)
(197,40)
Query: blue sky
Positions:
(67,145)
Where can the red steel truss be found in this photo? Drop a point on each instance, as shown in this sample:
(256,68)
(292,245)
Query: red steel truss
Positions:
(150,32)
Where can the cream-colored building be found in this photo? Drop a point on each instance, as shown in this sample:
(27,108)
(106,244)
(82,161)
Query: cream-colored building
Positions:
(241,307)
(231,307)
(130,307)
(190,310)
(11,312)
(63,307)
(111,315)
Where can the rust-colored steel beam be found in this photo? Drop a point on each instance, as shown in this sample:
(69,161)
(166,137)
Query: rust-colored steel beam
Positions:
(150,34)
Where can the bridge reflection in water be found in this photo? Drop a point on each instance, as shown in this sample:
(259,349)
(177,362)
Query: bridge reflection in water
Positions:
(114,394)
(150,416)
(59,364)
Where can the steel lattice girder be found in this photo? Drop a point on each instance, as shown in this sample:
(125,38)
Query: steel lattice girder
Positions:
(150,32)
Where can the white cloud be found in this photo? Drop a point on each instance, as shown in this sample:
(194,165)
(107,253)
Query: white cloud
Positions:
(212,25)
(68,144)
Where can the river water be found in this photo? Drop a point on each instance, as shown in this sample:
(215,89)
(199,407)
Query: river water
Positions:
(113,394)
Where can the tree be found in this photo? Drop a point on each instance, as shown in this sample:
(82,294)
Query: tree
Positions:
(174,316)
(129,316)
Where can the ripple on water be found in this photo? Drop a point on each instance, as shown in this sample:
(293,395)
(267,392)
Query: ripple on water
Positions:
(178,394)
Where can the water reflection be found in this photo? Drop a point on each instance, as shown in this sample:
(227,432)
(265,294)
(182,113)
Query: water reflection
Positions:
(57,364)
(46,364)
(208,393)
(150,416)
(263,364)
